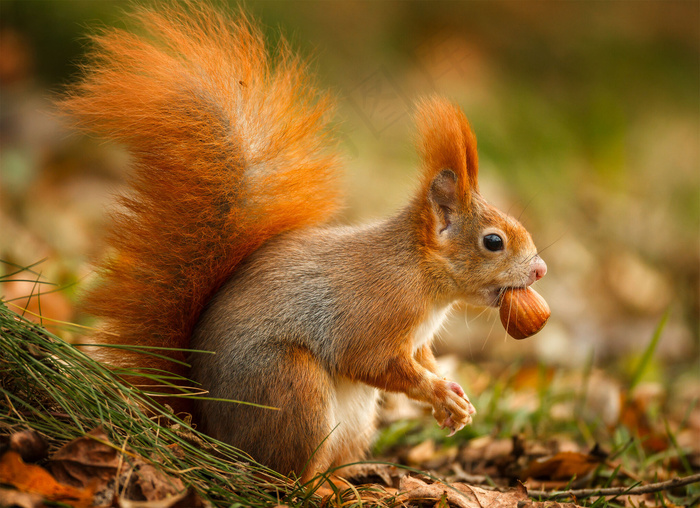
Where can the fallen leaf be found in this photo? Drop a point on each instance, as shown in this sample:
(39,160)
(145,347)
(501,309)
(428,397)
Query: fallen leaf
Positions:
(421,453)
(562,466)
(494,498)
(369,494)
(486,448)
(88,460)
(92,460)
(533,377)
(33,479)
(147,483)
(413,489)
(634,417)
(30,445)
(458,494)
(545,504)
(185,499)
(462,476)
(387,473)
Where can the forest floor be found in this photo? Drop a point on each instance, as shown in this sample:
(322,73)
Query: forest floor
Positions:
(73,434)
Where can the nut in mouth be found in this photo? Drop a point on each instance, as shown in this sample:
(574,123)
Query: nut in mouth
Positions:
(496,294)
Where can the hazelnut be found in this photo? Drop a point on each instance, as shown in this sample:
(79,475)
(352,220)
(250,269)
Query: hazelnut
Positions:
(523,312)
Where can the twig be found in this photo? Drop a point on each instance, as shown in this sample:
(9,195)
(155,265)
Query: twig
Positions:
(619,491)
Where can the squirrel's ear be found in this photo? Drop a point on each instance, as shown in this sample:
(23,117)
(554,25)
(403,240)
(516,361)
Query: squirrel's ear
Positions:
(443,196)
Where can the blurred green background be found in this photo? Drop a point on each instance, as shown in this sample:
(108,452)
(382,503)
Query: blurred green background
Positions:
(587,116)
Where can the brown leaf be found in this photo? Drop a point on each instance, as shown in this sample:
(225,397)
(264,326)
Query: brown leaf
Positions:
(562,466)
(494,498)
(413,489)
(533,377)
(421,453)
(88,460)
(459,494)
(545,504)
(30,445)
(385,472)
(142,481)
(342,495)
(634,417)
(486,448)
(91,460)
(185,499)
(36,480)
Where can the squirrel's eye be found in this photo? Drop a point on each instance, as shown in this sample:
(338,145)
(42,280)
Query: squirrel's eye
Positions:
(493,242)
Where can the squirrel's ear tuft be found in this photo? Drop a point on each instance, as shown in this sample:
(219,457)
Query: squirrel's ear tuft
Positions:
(447,141)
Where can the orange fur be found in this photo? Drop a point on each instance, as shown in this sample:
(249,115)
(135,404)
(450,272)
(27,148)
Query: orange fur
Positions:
(229,149)
(447,141)
(229,152)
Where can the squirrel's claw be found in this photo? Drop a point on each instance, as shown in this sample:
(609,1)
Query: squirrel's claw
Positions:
(454,411)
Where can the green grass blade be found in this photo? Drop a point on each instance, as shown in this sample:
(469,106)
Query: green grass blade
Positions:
(649,351)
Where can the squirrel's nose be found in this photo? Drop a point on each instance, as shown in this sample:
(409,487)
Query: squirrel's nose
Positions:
(538,269)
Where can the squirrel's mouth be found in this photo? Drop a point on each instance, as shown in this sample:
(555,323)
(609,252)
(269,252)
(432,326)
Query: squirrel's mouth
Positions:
(496,293)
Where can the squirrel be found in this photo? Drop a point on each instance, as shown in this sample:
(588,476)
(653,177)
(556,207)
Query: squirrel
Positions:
(224,241)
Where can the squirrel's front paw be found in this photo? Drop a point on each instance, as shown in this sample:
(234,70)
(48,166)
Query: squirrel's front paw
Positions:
(451,407)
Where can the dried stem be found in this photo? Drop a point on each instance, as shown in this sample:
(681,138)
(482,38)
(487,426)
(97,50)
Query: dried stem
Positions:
(618,491)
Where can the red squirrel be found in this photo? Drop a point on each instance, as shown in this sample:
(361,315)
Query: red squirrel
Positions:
(224,243)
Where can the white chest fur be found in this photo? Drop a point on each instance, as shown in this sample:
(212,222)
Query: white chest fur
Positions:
(352,415)
(431,324)
(355,402)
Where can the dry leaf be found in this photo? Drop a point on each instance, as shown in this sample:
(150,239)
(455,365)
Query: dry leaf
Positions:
(387,473)
(487,448)
(421,453)
(34,479)
(562,466)
(533,377)
(30,445)
(185,499)
(494,498)
(459,494)
(87,460)
(545,504)
(147,483)
(634,417)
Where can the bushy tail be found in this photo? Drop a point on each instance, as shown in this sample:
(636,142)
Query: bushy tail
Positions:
(229,147)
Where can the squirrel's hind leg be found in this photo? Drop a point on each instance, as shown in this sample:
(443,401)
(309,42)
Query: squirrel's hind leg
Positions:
(353,413)
(289,438)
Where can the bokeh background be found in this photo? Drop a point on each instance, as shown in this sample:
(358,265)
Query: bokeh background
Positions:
(587,116)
